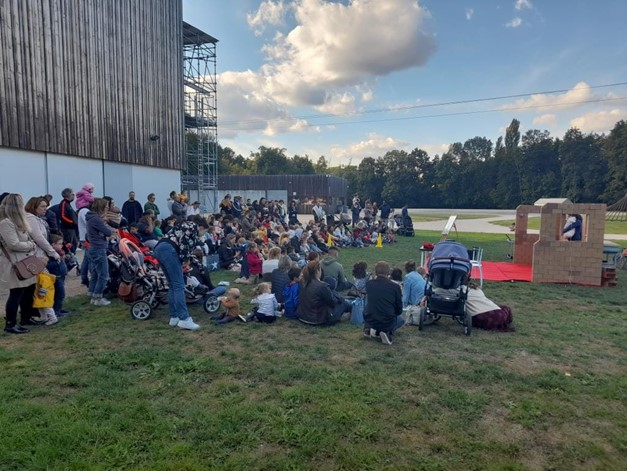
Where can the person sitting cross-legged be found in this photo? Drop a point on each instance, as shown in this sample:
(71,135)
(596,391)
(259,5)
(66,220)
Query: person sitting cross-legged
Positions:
(384,305)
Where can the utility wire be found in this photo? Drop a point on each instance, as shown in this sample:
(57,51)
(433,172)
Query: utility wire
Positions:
(429,105)
(459,113)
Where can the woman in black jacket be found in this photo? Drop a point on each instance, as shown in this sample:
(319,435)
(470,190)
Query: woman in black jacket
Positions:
(315,299)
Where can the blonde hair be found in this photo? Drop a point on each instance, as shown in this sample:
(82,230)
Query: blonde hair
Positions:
(262,288)
(233,293)
(12,208)
(274,253)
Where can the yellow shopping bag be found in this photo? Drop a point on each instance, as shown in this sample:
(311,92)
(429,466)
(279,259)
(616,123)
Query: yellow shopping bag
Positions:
(44,291)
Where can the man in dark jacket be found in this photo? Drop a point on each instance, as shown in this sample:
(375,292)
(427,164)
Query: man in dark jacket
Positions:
(51,218)
(384,305)
(132,210)
(68,219)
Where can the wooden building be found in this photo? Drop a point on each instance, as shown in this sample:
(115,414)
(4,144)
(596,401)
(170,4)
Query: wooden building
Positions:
(91,91)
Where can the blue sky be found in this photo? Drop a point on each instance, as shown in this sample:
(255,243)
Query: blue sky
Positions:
(353,79)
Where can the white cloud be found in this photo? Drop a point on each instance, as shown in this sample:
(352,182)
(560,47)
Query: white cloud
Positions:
(514,23)
(269,13)
(328,60)
(434,149)
(580,92)
(375,146)
(598,121)
(469,13)
(522,4)
(549,120)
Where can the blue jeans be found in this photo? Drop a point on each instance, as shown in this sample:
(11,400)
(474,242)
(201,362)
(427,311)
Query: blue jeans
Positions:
(99,271)
(59,293)
(171,265)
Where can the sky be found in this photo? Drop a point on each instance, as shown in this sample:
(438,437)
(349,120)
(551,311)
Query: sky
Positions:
(357,78)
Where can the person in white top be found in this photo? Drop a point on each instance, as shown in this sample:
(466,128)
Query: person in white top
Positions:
(485,313)
(193,209)
(268,305)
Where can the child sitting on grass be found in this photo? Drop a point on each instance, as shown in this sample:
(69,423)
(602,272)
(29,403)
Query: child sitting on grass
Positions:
(291,292)
(231,303)
(268,305)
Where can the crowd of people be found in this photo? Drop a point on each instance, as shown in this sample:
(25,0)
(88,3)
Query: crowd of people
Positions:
(294,266)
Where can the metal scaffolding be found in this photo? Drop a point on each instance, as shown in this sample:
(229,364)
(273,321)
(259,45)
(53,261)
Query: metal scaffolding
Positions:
(199,176)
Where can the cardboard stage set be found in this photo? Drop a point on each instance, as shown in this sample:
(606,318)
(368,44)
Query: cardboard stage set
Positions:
(553,259)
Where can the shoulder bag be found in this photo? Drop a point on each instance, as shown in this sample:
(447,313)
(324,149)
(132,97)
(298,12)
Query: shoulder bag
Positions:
(28,267)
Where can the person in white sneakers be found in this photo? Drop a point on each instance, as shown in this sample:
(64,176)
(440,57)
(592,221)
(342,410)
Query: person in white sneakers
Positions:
(98,234)
(176,247)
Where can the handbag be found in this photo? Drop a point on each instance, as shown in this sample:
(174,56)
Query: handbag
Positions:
(28,267)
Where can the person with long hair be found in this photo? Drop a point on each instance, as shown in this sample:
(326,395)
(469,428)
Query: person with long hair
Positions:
(315,299)
(97,235)
(17,243)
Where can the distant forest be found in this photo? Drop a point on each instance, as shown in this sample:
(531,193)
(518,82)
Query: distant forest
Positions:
(586,168)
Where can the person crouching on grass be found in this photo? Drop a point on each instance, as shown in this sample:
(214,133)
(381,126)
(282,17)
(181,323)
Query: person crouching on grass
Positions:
(268,305)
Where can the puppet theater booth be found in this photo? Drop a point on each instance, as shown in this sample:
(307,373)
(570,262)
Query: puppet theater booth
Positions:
(553,260)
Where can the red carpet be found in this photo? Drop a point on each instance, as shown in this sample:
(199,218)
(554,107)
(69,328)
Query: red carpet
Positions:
(503,271)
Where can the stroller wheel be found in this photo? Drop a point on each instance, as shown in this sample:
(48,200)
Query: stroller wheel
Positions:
(141,310)
(467,323)
(421,318)
(211,304)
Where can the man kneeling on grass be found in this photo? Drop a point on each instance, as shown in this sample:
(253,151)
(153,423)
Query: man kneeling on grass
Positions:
(384,305)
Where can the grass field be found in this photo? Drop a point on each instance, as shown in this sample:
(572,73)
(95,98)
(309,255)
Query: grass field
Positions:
(427,217)
(104,392)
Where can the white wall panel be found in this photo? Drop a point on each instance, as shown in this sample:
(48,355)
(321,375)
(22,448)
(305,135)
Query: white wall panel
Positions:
(22,172)
(65,171)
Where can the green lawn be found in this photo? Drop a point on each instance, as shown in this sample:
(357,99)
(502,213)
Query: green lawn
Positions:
(428,217)
(104,392)
(611,227)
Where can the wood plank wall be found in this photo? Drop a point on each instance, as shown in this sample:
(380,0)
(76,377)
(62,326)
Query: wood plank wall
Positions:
(93,78)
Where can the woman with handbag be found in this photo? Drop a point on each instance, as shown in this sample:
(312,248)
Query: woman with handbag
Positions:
(17,246)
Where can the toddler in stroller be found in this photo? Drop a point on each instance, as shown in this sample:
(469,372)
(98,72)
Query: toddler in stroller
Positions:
(447,285)
(405,225)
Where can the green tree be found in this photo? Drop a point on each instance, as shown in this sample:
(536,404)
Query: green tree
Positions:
(584,171)
(270,161)
(540,166)
(615,155)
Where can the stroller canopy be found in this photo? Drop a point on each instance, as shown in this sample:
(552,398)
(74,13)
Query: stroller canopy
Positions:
(449,249)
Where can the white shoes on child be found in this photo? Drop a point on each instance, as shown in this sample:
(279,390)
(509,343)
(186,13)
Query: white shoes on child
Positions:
(100,302)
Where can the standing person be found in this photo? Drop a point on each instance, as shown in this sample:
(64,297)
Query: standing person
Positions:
(318,213)
(97,236)
(68,219)
(150,204)
(171,201)
(238,209)
(384,305)
(292,213)
(176,247)
(131,209)
(85,196)
(355,211)
(51,217)
(16,246)
(385,212)
(178,209)
(226,205)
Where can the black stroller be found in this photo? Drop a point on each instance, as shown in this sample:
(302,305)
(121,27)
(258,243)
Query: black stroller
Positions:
(447,286)
(405,225)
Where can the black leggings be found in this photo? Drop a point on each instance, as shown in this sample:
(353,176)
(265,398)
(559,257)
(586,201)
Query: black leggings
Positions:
(21,298)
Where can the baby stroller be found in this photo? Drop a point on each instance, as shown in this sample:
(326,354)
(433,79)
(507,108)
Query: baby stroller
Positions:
(447,287)
(146,286)
(405,225)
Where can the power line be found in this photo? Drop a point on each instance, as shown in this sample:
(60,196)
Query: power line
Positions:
(459,113)
(426,105)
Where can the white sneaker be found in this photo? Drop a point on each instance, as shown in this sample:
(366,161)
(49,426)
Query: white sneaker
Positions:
(187,324)
(101,302)
(174,321)
(52,319)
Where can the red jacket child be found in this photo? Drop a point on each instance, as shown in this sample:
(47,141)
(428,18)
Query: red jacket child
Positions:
(255,262)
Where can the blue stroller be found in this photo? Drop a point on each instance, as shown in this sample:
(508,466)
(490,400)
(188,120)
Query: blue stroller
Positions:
(447,286)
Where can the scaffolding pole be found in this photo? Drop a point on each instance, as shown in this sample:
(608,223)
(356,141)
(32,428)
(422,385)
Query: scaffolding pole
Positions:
(199,176)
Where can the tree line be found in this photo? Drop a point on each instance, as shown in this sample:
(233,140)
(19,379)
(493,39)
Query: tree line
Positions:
(586,168)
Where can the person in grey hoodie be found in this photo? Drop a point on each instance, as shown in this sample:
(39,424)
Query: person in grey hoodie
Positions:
(98,234)
(334,269)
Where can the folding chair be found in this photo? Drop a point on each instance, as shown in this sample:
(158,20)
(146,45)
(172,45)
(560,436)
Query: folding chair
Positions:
(476,257)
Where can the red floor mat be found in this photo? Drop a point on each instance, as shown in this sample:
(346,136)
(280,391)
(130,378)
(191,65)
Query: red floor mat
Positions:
(504,271)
